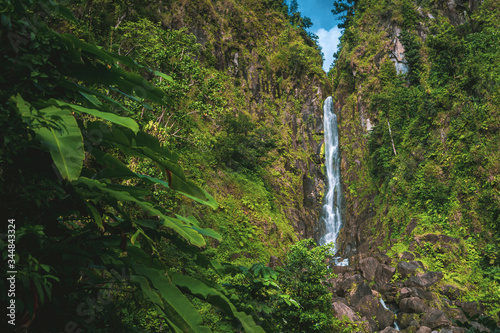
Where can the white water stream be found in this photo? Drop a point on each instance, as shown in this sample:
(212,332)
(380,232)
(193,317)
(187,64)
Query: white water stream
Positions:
(331,216)
(385,307)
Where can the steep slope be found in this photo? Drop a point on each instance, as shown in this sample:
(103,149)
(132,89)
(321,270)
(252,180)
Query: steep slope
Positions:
(273,75)
(116,122)
(416,86)
(247,117)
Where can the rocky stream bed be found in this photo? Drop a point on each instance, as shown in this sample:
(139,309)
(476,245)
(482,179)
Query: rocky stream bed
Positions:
(416,299)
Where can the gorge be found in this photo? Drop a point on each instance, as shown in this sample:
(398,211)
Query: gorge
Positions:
(162,163)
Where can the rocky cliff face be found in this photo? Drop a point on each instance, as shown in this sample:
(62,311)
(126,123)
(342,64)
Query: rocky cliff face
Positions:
(275,77)
(373,40)
(413,90)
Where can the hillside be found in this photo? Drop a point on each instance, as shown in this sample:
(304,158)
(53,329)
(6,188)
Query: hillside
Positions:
(416,88)
(184,132)
(162,167)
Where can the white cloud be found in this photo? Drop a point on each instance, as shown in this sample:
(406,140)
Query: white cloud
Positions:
(329,41)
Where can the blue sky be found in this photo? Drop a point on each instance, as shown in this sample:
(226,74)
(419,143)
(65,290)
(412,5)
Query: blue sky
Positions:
(324,25)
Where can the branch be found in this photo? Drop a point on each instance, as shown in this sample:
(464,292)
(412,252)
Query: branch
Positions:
(390,133)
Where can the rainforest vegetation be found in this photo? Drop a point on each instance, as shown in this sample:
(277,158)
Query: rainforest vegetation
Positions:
(161,165)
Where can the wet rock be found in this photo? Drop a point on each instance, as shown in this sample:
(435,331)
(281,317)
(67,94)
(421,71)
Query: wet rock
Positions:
(435,318)
(370,325)
(407,256)
(346,285)
(406,269)
(433,239)
(406,292)
(341,269)
(383,274)
(368,266)
(390,292)
(418,263)
(411,329)
(340,300)
(424,329)
(370,307)
(361,291)
(470,308)
(389,329)
(383,258)
(341,310)
(424,280)
(405,320)
(412,305)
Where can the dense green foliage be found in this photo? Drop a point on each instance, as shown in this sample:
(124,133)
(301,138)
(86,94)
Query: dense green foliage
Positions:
(430,163)
(112,236)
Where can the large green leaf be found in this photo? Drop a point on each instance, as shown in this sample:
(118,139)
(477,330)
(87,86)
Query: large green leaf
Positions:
(183,187)
(176,305)
(188,231)
(59,133)
(123,121)
(214,297)
(147,146)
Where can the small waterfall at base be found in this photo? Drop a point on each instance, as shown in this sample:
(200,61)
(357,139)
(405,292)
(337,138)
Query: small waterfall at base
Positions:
(385,307)
(331,215)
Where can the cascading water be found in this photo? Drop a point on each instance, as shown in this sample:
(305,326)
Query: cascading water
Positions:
(385,307)
(331,216)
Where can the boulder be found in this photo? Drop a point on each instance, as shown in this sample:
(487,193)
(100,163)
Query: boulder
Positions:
(433,238)
(383,274)
(407,256)
(446,330)
(424,280)
(435,318)
(406,269)
(274,262)
(341,310)
(368,266)
(370,307)
(455,314)
(389,329)
(405,320)
(455,329)
(412,225)
(424,329)
(412,305)
(340,269)
(357,294)
(383,258)
(479,327)
(451,292)
(424,295)
(418,263)
(411,329)
(346,285)
(470,308)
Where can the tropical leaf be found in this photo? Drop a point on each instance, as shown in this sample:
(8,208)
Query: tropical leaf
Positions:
(176,307)
(147,146)
(58,133)
(116,119)
(121,193)
(214,297)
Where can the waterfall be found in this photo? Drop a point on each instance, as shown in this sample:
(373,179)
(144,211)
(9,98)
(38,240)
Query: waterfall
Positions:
(331,216)
(385,307)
